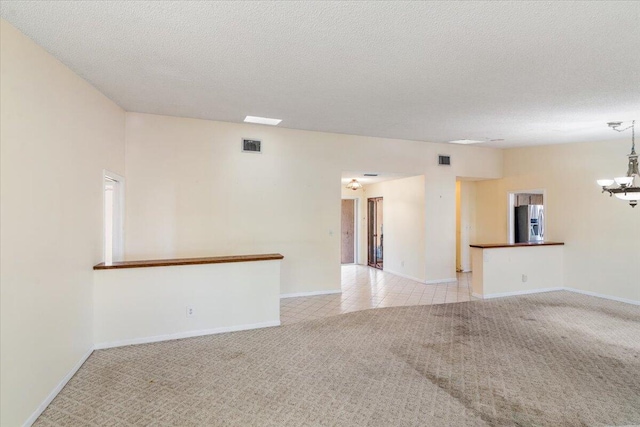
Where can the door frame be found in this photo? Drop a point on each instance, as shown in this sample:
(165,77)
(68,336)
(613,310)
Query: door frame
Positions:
(356,229)
(381,198)
(118,231)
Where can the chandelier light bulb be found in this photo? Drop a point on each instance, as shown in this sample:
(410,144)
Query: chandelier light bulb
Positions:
(628,196)
(623,181)
(354,185)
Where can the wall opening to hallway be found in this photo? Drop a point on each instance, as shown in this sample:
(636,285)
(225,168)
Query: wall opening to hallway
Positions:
(400,236)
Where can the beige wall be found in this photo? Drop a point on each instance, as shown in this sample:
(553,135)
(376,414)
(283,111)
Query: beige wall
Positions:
(602,250)
(57,135)
(191,191)
(403,211)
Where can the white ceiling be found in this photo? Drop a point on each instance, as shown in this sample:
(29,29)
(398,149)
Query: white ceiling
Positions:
(526,72)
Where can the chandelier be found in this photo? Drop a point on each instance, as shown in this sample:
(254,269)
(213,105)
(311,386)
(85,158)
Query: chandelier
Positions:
(354,185)
(624,187)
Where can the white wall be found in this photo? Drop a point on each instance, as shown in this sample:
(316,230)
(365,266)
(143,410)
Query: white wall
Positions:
(499,271)
(403,213)
(136,305)
(57,134)
(191,191)
(601,234)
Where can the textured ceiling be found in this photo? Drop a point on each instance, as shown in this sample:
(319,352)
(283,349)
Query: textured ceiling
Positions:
(526,72)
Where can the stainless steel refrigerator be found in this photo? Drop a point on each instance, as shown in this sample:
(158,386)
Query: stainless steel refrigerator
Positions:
(529,223)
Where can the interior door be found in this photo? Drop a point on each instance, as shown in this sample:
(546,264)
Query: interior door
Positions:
(347,240)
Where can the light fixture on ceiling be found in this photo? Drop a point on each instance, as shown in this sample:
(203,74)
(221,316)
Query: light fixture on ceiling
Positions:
(354,185)
(623,187)
(262,120)
(465,141)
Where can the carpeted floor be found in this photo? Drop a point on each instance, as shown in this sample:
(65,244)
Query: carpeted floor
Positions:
(553,359)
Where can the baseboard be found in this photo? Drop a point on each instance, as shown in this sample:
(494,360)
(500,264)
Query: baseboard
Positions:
(406,276)
(536,291)
(32,419)
(310,294)
(595,294)
(511,294)
(188,334)
(435,282)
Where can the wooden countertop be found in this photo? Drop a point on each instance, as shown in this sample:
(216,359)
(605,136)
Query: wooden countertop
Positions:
(515,245)
(188,261)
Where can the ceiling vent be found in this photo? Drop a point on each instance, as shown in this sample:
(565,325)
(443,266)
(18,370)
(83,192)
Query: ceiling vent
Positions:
(251,146)
(370,174)
(444,160)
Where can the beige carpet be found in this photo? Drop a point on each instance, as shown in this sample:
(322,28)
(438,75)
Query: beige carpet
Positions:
(554,359)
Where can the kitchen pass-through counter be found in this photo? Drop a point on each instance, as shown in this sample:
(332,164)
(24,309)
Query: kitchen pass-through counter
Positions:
(503,269)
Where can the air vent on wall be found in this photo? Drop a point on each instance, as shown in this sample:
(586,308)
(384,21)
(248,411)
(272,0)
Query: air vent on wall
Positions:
(251,146)
(444,160)
(370,174)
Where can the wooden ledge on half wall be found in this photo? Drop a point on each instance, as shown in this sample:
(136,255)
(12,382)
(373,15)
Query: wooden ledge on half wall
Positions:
(188,261)
(515,245)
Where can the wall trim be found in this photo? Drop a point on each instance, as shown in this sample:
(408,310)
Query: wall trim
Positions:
(406,276)
(435,282)
(609,297)
(537,291)
(188,334)
(40,409)
(525,292)
(310,294)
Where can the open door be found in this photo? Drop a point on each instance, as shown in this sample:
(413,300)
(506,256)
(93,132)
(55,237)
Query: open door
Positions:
(347,239)
(375,236)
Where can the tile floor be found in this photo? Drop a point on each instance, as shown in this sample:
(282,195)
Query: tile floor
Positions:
(365,287)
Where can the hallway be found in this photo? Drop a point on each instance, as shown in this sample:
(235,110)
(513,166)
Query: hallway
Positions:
(365,288)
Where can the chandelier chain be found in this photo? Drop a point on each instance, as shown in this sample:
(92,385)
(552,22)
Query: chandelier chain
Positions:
(633,137)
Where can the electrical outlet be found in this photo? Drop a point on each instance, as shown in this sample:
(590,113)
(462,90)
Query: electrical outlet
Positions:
(524,278)
(402,263)
(190,311)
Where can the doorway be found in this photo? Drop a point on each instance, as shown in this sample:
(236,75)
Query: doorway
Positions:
(526,216)
(348,232)
(375,233)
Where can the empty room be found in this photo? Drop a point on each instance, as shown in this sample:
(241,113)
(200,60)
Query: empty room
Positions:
(319,213)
